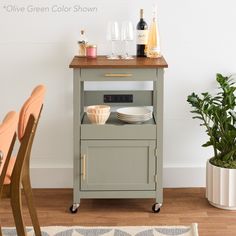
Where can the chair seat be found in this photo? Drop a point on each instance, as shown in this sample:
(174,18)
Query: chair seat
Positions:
(7,179)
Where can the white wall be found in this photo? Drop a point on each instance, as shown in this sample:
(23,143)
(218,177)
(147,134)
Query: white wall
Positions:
(198,40)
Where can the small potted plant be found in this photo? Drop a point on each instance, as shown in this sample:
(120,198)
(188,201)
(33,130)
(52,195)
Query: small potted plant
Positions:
(217,115)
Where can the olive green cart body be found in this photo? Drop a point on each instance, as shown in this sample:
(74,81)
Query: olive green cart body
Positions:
(118,160)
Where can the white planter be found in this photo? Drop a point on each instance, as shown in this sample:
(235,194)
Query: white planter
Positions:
(221,187)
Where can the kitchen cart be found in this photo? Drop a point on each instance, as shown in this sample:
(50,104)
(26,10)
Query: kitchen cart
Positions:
(118,160)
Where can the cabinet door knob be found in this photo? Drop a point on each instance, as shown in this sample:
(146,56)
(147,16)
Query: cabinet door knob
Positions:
(118,75)
(84,166)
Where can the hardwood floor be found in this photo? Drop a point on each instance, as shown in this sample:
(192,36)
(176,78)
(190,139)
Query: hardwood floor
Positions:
(181,207)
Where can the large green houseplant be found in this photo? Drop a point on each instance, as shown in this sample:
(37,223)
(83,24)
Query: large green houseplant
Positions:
(217,115)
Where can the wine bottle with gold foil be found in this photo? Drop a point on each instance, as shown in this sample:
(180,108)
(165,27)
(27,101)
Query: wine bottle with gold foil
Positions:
(142,36)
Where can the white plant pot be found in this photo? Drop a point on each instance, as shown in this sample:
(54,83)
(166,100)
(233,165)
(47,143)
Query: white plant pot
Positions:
(221,187)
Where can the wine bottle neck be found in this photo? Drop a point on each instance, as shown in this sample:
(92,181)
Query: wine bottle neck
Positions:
(141,14)
(154,12)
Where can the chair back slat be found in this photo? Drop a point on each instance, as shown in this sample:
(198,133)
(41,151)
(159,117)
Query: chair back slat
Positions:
(28,120)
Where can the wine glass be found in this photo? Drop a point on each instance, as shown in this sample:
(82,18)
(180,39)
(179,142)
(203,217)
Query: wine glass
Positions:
(113,35)
(127,36)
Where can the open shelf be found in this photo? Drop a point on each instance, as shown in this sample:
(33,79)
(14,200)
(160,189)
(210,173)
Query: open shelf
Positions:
(113,120)
(116,129)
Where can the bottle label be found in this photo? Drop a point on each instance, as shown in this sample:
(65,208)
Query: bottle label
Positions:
(142,37)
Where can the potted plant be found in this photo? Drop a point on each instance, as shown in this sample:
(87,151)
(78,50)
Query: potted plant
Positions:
(217,115)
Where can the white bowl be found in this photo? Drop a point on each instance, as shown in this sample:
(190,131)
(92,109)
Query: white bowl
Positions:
(98,109)
(99,119)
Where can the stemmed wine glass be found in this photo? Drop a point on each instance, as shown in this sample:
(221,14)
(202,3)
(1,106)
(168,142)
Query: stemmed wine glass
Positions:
(113,35)
(127,35)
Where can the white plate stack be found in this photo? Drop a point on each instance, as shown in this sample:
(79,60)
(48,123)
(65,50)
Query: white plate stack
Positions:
(134,114)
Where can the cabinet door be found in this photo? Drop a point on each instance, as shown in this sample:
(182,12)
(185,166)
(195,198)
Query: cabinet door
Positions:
(118,165)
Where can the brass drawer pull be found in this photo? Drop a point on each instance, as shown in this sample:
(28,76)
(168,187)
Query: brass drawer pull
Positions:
(83,167)
(118,75)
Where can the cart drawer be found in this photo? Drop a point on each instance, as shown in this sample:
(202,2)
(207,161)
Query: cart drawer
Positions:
(118,74)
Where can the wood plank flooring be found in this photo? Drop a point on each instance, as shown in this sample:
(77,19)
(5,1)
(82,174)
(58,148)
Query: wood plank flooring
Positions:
(181,207)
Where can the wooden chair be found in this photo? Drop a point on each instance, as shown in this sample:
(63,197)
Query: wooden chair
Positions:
(27,125)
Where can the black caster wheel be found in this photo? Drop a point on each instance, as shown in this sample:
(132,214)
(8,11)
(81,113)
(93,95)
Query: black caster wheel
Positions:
(156,208)
(74,208)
